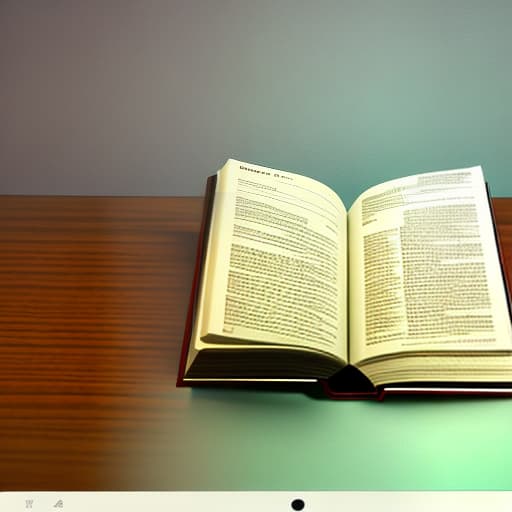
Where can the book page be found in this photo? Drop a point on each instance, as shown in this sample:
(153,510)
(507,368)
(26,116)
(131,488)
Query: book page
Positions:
(277,273)
(424,268)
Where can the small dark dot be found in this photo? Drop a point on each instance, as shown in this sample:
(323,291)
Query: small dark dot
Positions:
(297,504)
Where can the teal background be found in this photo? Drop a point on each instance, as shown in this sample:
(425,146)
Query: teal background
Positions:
(106,97)
(235,440)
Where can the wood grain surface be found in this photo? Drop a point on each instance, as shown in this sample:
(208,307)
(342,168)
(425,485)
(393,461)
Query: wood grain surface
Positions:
(93,300)
(94,292)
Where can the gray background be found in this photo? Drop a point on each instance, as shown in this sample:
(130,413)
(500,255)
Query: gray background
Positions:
(130,97)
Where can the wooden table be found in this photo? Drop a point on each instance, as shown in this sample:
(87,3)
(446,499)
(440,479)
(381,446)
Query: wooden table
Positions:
(94,292)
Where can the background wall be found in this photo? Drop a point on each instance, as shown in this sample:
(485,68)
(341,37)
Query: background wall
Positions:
(129,97)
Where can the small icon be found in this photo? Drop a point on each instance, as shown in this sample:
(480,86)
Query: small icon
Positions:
(28,503)
(59,504)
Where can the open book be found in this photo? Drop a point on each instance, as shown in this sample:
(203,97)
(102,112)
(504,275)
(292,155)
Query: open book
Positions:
(403,291)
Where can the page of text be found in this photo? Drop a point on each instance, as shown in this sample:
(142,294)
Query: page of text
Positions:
(279,268)
(424,268)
